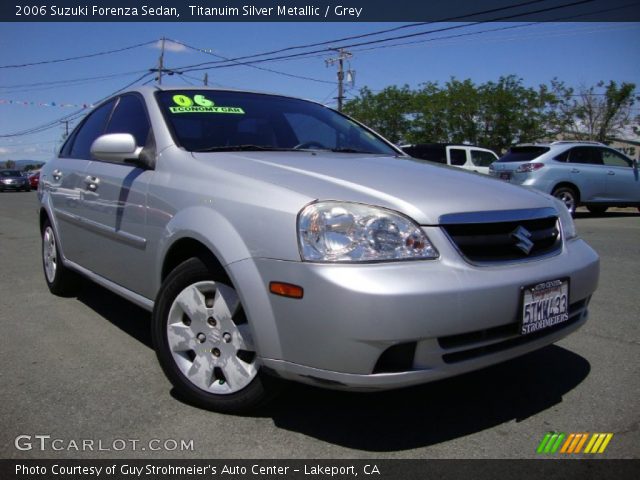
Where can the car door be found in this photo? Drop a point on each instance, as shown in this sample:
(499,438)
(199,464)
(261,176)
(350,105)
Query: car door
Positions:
(622,182)
(114,206)
(65,183)
(585,170)
(481,159)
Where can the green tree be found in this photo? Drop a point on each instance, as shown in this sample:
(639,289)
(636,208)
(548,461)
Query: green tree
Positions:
(512,113)
(10,164)
(600,116)
(494,114)
(388,112)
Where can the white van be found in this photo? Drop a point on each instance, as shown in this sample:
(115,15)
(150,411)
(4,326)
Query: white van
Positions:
(468,157)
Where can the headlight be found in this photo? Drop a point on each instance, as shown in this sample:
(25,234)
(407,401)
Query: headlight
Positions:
(566,221)
(352,232)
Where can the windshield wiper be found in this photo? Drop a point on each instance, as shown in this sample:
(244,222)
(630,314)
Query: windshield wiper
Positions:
(243,148)
(349,150)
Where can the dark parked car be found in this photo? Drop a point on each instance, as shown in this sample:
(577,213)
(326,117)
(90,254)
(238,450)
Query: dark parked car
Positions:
(13,180)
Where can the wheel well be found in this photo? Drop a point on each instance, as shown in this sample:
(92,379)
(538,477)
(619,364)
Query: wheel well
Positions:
(187,248)
(571,186)
(43,218)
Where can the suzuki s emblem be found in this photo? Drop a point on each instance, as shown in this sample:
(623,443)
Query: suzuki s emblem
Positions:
(523,235)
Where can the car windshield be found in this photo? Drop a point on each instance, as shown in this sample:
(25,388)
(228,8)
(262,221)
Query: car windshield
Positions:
(10,173)
(523,154)
(210,121)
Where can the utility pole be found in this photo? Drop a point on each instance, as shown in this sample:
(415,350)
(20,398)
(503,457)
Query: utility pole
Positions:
(161,63)
(342,56)
(206,79)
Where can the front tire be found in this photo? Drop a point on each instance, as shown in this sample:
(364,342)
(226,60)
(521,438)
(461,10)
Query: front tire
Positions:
(204,343)
(568,196)
(60,280)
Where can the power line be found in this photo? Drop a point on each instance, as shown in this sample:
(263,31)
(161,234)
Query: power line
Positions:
(69,80)
(196,67)
(378,32)
(414,42)
(79,57)
(70,116)
(286,74)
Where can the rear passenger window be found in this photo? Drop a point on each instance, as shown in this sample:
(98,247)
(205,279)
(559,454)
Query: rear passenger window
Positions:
(585,155)
(90,129)
(458,157)
(130,117)
(563,157)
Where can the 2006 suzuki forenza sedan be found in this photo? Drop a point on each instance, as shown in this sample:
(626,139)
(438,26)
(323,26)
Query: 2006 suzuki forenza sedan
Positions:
(276,238)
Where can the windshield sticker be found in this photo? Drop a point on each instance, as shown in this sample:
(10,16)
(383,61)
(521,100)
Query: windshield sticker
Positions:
(200,104)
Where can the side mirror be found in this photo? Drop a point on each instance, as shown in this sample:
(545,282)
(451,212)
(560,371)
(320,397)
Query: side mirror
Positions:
(116,147)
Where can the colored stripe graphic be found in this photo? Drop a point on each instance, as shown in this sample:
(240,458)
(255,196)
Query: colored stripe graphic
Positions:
(572,443)
(543,443)
(551,442)
(598,442)
(582,440)
(555,447)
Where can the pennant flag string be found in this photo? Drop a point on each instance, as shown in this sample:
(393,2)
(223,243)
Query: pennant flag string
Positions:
(27,103)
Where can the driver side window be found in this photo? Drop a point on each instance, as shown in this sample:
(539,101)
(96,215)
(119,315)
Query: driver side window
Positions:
(89,130)
(613,159)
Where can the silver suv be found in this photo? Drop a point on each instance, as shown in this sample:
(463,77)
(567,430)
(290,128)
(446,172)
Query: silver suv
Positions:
(274,238)
(578,173)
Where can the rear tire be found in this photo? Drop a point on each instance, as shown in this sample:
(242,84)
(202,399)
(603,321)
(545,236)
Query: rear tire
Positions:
(60,280)
(597,209)
(204,343)
(568,196)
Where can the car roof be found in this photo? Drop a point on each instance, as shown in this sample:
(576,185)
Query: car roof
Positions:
(562,143)
(440,145)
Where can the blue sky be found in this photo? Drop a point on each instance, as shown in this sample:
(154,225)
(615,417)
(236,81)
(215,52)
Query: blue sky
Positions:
(577,53)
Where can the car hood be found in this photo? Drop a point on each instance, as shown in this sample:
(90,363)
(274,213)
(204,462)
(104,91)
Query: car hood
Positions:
(419,189)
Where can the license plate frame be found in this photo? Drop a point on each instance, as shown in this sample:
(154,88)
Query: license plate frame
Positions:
(544,305)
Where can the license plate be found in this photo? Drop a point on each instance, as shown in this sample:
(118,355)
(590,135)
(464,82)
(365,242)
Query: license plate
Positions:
(544,305)
(505,176)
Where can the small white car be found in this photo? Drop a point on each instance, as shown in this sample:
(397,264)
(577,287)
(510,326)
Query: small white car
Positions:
(469,157)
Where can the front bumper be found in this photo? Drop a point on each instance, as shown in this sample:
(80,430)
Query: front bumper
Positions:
(448,316)
(14,186)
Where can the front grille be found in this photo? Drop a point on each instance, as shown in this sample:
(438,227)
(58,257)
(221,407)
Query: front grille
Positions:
(511,239)
(503,337)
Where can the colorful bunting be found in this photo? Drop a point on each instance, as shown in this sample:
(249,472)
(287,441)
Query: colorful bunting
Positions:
(26,103)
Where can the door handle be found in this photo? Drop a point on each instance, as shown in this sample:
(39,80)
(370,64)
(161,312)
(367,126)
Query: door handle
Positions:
(92,183)
(56,174)
(611,172)
(575,170)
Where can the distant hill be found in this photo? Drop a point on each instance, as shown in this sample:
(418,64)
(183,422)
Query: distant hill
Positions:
(20,164)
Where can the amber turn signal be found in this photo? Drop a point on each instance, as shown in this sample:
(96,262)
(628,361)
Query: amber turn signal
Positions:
(286,290)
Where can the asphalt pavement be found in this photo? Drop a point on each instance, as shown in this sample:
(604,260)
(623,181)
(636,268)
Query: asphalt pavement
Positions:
(79,379)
